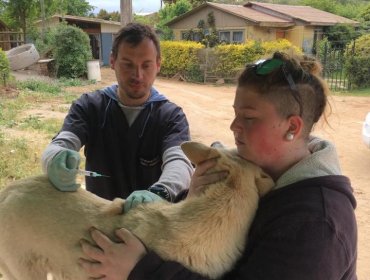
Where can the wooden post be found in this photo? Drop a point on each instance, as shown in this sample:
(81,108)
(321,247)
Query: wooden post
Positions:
(126,12)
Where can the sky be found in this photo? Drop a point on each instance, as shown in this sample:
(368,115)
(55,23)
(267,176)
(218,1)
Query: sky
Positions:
(138,6)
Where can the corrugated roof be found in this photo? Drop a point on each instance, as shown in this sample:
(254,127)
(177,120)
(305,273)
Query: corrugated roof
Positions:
(85,19)
(305,13)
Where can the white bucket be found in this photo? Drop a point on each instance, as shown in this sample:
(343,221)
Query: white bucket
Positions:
(93,70)
(366,130)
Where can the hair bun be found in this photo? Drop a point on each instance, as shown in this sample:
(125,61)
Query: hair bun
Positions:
(310,65)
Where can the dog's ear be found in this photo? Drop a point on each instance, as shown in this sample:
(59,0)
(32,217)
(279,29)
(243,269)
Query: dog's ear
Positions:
(264,183)
(198,152)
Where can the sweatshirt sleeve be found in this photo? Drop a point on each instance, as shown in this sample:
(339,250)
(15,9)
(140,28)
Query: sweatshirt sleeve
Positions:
(176,174)
(152,267)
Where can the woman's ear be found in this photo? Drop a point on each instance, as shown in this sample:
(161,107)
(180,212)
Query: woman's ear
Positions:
(295,126)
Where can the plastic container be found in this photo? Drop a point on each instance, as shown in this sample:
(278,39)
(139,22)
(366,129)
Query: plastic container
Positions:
(93,70)
(366,131)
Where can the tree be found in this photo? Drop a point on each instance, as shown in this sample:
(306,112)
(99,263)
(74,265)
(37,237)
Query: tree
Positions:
(21,13)
(76,7)
(169,12)
(103,14)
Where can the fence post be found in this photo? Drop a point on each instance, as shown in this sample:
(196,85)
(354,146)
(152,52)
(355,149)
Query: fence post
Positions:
(324,58)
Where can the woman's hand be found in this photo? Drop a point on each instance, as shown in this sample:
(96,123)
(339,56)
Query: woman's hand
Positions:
(111,260)
(200,179)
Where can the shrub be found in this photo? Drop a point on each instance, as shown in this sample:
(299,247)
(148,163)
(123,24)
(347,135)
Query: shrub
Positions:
(181,57)
(71,51)
(4,67)
(280,45)
(232,58)
(357,64)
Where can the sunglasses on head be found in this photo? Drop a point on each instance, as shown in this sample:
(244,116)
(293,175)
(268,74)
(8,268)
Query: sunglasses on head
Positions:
(266,66)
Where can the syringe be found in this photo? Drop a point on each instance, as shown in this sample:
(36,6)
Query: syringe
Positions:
(90,173)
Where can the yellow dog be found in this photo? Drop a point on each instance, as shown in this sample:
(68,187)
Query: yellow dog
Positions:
(40,227)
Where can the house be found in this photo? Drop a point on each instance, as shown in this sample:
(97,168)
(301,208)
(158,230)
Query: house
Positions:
(101,32)
(8,38)
(301,25)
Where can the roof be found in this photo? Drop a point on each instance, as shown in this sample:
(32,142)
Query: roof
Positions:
(240,11)
(266,14)
(310,15)
(85,19)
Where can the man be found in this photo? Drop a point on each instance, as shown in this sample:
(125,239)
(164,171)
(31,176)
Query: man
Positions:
(130,132)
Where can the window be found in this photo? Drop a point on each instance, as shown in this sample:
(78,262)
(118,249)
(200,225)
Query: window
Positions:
(231,36)
(224,36)
(238,37)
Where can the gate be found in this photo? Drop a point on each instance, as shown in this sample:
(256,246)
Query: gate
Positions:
(333,61)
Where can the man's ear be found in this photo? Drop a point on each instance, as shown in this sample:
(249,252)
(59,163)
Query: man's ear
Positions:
(198,152)
(159,62)
(111,61)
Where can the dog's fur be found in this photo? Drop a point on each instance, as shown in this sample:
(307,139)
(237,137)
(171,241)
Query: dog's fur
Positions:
(41,227)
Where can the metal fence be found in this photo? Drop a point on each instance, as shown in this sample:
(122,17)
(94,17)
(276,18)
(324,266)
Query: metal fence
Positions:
(334,70)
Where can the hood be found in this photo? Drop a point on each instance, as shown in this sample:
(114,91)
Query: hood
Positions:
(155,96)
(323,161)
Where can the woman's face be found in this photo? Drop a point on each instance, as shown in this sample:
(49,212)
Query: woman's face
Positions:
(259,131)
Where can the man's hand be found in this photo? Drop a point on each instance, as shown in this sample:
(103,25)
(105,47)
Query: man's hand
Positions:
(62,170)
(201,179)
(137,197)
(111,261)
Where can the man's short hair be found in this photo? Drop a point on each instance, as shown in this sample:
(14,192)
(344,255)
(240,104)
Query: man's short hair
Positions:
(134,34)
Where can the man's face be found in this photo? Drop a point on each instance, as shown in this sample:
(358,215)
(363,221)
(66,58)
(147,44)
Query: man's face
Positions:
(136,68)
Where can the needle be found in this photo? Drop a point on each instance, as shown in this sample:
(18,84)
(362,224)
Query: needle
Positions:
(90,173)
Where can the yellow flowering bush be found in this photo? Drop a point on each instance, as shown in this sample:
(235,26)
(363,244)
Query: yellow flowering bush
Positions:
(180,57)
(282,45)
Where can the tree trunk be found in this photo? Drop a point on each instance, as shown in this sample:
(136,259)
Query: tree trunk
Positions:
(126,12)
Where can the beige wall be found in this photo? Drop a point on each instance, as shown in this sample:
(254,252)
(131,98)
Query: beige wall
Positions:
(300,36)
(223,22)
(110,28)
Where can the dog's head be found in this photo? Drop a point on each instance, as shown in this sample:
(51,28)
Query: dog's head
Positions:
(240,170)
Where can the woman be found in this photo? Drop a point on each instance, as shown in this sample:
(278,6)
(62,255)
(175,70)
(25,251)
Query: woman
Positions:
(305,228)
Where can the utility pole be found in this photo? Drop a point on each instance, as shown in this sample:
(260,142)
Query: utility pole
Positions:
(126,12)
(43,20)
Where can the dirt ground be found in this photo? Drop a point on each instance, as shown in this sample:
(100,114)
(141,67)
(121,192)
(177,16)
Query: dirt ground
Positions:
(209,111)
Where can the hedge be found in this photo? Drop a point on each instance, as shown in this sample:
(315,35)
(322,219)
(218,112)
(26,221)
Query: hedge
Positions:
(224,61)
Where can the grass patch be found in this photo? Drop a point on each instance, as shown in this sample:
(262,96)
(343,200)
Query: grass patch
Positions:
(23,138)
(48,126)
(39,86)
(354,92)
(19,158)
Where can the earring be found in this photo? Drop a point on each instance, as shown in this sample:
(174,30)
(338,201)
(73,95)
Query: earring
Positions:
(289,136)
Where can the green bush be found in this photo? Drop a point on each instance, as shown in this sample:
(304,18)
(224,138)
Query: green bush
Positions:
(71,51)
(358,64)
(4,68)
(232,58)
(181,57)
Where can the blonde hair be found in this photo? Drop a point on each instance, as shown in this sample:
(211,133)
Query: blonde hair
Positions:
(295,87)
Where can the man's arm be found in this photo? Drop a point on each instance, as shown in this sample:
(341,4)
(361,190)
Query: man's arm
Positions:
(64,140)
(176,174)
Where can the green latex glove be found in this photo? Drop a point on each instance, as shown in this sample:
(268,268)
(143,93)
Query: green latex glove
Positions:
(62,170)
(137,197)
